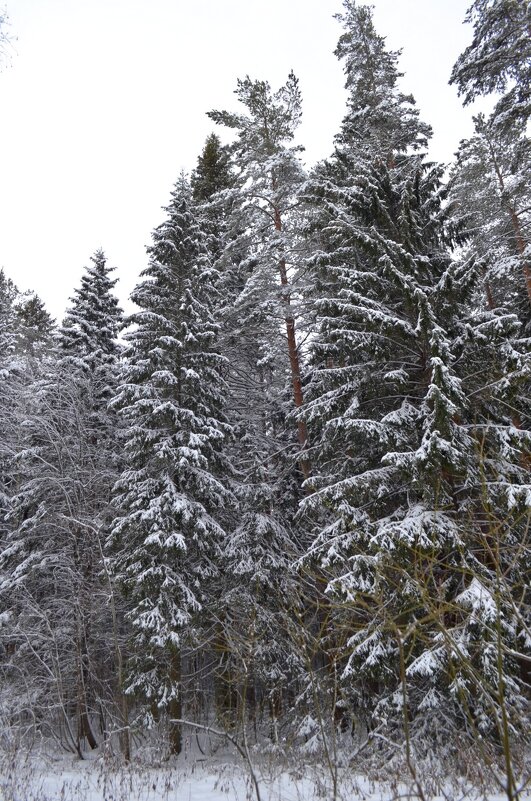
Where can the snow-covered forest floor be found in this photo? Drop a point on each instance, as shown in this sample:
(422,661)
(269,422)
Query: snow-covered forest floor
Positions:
(54,776)
(72,780)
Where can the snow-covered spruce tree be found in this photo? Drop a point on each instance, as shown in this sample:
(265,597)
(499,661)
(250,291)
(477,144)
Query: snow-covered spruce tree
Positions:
(172,498)
(409,409)
(88,335)
(66,467)
(381,121)
(210,182)
(34,326)
(380,127)
(213,173)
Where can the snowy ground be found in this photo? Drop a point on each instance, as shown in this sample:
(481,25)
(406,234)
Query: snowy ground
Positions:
(66,779)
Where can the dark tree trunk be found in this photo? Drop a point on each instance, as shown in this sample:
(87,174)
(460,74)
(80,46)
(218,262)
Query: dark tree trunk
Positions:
(175,706)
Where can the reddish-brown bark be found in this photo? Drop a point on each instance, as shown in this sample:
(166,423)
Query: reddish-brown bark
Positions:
(293,352)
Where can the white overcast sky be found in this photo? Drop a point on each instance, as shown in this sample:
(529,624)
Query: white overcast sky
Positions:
(103,103)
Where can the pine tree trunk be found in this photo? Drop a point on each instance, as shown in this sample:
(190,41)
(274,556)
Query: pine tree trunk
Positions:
(293,353)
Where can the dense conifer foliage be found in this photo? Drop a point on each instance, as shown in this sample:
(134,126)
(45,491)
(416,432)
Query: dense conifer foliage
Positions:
(380,119)
(408,441)
(213,171)
(499,61)
(490,189)
(295,504)
(172,496)
(499,56)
